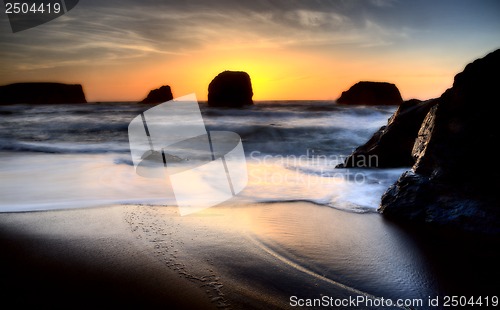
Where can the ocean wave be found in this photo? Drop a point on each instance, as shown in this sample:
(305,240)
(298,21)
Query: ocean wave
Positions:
(281,127)
(62,148)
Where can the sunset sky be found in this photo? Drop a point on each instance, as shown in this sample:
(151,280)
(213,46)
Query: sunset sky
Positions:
(310,49)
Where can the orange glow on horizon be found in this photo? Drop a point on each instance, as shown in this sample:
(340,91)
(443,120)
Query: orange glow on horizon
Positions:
(276,74)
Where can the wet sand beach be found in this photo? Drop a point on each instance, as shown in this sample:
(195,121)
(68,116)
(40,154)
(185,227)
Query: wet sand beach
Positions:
(254,256)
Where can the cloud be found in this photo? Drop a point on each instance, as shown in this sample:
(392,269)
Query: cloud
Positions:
(100,32)
(383,3)
(124,29)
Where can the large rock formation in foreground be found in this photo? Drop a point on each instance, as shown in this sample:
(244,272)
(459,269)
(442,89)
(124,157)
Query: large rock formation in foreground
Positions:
(232,89)
(391,146)
(41,93)
(455,180)
(371,93)
(159,95)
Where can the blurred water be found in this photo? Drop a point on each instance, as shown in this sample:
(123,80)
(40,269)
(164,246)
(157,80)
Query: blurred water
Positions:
(69,156)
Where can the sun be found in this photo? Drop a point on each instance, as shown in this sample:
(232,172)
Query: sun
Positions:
(274,74)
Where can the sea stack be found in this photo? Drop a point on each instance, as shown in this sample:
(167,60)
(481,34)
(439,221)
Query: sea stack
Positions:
(455,180)
(391,146)
(371,93)
(231,89)
(41,93)
(159,95)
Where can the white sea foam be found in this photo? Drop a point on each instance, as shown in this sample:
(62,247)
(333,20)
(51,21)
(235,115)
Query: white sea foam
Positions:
(72,156)
(38,181)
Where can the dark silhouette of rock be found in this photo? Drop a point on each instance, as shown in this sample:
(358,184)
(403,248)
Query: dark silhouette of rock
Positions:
(371,93)
(455,180)
(230,89)
(159,95)
(41,93)
(391,146)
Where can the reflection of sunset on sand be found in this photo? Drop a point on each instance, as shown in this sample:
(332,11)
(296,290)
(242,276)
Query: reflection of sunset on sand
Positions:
(231,256)
(228,254)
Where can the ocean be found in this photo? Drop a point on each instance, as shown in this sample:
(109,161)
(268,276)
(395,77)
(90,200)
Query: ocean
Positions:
(78,155)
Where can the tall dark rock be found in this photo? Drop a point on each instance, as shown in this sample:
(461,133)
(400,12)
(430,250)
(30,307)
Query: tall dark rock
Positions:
(371,93)
(391,146)
(230,89)
(41,93)
(455,180)
(159,95)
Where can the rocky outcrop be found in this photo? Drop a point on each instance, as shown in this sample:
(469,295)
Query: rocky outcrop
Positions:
(159,95)
(391,146)
(454,181)
(371,93)
(231,89)
(41,93)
